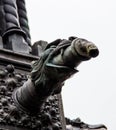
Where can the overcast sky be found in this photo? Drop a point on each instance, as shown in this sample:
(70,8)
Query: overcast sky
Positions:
(91,93)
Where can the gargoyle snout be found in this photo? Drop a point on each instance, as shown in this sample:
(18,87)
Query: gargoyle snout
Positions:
(85,48)
(93,51)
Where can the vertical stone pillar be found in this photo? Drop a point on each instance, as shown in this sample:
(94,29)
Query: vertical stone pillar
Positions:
(14,38)
(23,20)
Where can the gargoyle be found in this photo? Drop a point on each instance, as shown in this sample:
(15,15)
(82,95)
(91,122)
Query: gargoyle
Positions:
(57,63)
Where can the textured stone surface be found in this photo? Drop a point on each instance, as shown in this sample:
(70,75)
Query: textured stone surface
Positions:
(47,119)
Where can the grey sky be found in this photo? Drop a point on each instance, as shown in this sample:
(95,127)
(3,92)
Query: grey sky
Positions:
(91,93)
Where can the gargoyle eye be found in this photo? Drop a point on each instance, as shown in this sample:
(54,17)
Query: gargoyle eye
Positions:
(83,49)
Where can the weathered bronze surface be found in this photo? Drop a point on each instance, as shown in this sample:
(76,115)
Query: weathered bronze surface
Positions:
(32,77)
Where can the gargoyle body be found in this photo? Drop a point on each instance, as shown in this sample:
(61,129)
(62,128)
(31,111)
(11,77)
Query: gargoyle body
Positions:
(56,64)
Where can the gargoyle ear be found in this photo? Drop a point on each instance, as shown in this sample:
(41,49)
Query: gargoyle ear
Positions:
(71,38)
(54,43)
